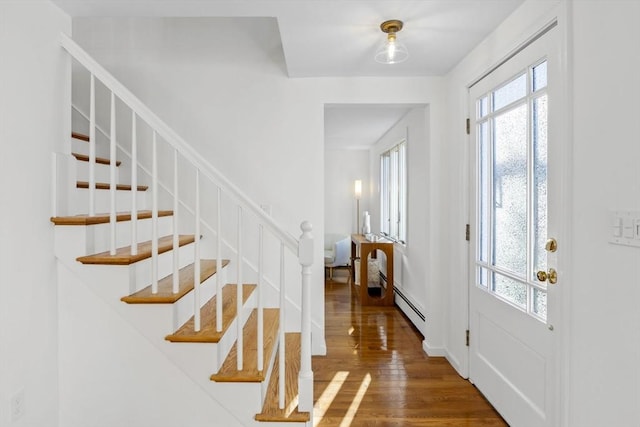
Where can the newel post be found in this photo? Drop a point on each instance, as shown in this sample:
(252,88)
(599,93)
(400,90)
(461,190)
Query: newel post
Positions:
(305,377)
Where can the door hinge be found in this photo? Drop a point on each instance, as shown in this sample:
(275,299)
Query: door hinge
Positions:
(467,338)
(468,126)
(467,232)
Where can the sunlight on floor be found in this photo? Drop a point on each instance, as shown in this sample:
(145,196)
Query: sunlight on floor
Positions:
(329,393)
(353,408)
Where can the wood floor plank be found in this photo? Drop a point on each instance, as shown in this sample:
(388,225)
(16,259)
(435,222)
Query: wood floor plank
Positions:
(376,373)
(123,255)
(99,160)
(107,186)
(165,293)
(270,410)
(103,218)
(229,371)
(208,332)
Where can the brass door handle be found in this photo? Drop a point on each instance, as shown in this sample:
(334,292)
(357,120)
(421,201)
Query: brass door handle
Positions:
(551,276)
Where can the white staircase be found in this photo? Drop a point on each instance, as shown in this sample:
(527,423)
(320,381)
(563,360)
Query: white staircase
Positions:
(138,348)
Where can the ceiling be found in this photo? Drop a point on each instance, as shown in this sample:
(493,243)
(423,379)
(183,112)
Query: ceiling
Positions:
(358,126)
(339,38)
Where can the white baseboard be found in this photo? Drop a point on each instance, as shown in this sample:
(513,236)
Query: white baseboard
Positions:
(433,351)
(414,317)
(453,361)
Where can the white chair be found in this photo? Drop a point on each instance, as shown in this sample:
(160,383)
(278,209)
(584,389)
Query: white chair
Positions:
(336,251)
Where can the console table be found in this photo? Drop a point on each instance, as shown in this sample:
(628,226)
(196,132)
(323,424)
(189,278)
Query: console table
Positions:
(360,244)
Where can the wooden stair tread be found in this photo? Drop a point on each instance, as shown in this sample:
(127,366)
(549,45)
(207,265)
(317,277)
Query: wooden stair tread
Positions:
(103,218)
(80,136)
(100,160)
(106,186)
(123,255)
(208,333)
(229,370)
(270,410)
(165,293)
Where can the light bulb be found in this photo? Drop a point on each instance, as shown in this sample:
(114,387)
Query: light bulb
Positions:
(391,52)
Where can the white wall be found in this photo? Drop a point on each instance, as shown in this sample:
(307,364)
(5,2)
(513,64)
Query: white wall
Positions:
(604,384)
(341,169)
(413,268)
(34,80)
(239,109)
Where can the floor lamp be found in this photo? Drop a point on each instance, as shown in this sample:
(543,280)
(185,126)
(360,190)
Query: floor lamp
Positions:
(358,191)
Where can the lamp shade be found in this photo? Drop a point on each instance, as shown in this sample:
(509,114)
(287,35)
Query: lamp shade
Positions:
(391,51)
(358,188)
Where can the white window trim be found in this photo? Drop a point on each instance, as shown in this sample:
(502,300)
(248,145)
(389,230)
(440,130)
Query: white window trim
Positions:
(398,233)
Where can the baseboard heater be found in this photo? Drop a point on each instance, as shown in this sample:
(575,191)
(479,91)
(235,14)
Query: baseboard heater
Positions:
(405,299)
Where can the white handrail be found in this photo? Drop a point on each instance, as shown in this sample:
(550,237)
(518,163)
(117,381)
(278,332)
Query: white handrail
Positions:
(175,140)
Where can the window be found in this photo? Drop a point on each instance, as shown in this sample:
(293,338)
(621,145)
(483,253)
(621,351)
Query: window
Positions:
(393,193)
(511,123)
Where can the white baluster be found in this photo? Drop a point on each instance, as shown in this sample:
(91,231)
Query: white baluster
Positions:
(176,244)
(239,342)
(281,351)
(112,178)
(219,263)
(259,296)
(154,214)
(134,185)
(92,147)
(196,257)
(305,376)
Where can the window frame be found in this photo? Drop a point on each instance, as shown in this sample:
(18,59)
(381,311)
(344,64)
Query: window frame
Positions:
(393,192)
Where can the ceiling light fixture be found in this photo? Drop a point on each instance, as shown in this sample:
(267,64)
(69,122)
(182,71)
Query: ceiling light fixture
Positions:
(391,52)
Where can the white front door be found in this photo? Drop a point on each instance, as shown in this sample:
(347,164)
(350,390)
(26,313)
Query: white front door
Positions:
(515,191)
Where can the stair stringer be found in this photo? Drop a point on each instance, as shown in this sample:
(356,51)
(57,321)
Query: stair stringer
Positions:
(156,321)
(195,360)
(111,374)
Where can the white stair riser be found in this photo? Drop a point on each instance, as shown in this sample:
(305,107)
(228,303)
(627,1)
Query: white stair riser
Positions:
(121,280)
(183,308)
(102,172)
(80,201)
(97,238)
(82,147)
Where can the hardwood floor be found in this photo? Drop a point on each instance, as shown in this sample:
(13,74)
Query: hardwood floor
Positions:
(376,374)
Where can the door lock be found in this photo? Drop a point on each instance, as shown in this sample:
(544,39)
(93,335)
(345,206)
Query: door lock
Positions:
(551,276)
(551,245)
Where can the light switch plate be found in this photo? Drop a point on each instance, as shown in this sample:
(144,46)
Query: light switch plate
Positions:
(624,228)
